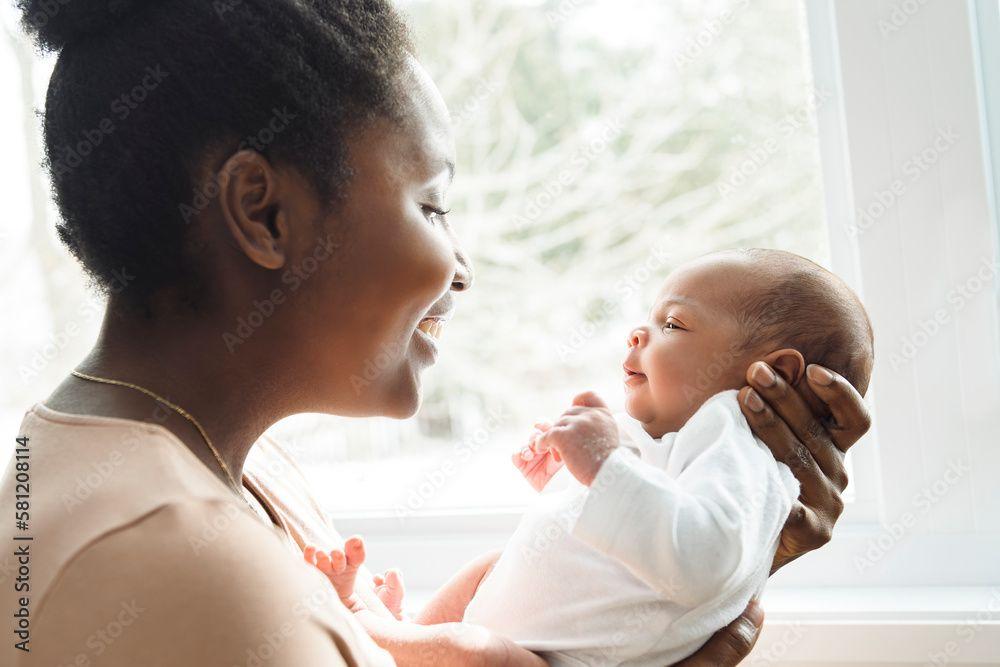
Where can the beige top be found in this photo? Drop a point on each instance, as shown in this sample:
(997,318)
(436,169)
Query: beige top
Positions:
(141,557)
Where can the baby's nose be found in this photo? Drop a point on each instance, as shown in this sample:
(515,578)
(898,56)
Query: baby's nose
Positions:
(638,338)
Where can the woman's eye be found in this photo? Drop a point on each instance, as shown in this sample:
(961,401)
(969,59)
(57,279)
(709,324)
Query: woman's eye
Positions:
(433,213)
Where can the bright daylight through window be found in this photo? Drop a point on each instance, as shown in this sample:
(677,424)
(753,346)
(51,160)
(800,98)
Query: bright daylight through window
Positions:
(584,175)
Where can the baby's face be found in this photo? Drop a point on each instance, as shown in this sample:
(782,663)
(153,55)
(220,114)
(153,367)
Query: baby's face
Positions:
(689,350)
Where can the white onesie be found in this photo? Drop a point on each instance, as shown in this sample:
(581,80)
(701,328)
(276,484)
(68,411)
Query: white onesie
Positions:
(667,546)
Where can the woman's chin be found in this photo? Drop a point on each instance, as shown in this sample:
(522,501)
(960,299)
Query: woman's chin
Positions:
(403,409)
(403,399)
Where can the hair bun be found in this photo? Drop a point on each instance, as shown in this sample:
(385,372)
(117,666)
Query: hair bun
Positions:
(55,23)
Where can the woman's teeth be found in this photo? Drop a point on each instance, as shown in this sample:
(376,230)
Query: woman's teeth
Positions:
(431,327)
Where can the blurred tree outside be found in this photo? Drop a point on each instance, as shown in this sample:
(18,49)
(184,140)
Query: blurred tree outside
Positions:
(600,144)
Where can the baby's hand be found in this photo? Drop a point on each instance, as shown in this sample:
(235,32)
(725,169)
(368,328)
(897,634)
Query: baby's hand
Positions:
(538,467)
(341,568)
(584,437)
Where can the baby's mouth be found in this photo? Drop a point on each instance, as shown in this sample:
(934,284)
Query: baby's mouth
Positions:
(633,377)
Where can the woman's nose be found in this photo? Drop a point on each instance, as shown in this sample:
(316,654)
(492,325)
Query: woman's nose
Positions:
(463,273)
(638,338)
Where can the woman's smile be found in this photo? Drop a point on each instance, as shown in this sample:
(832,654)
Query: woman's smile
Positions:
(429,332)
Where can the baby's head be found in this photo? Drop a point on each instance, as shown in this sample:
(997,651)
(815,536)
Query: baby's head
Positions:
(720,313)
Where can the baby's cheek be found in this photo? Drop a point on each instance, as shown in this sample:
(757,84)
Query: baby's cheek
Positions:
(676,390)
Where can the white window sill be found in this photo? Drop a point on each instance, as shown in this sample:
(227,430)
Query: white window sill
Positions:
(881,626)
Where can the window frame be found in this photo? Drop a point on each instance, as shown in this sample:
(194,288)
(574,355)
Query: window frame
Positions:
(430,546)
(931,596)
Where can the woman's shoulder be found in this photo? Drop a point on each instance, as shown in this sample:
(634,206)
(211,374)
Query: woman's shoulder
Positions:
(195,582)
(131,531)
(83,477)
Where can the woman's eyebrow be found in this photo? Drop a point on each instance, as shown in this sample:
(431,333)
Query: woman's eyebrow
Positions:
(450,166)
(440,166)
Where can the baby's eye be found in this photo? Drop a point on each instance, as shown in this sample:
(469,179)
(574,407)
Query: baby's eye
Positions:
(672,326)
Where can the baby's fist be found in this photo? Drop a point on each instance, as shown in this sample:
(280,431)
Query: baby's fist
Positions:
(585,436)
(537,466)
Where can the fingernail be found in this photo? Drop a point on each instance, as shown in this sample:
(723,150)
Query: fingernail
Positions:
(820,375)
(763,375)
(527,454)
(753,401)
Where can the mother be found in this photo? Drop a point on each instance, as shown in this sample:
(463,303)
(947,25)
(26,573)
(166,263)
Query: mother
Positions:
(259,186)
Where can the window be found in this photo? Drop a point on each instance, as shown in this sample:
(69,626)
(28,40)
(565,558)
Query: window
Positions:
(598,148)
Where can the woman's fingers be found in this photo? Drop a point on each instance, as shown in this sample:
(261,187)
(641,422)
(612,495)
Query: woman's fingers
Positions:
(850,414)
(791,408)
(805,530)
(784,445)
(728,646)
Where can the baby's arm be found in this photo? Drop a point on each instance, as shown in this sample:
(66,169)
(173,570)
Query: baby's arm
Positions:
(449,603)
(685,535)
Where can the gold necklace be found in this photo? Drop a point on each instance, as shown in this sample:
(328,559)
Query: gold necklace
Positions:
(179,410)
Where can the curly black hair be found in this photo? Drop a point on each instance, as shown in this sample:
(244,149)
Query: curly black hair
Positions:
(142,88)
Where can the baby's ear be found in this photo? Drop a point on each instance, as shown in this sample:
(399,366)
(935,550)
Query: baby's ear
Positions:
(789,363)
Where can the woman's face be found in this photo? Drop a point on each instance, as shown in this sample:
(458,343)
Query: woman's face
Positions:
(375,312)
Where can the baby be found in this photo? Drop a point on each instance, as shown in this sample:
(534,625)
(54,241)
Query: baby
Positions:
(655,529)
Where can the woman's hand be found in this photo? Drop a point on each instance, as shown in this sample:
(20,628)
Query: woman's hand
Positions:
(728,646)
(790,422)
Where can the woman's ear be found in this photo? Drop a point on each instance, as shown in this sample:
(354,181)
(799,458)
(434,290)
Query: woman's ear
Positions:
(789,362)
(248,187)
